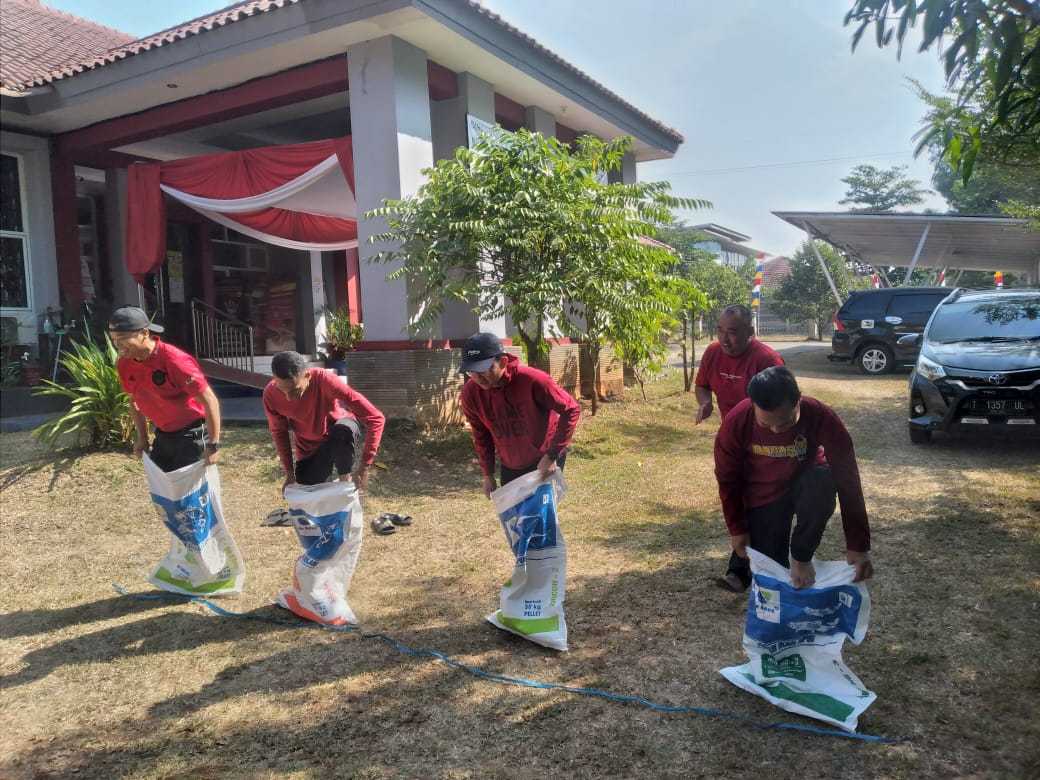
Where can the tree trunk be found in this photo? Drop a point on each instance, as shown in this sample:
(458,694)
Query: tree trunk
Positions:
(685,364)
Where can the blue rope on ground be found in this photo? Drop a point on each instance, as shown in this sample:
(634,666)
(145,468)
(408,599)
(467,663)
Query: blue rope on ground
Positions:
(523,682)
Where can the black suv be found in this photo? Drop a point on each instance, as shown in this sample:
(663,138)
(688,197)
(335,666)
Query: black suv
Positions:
(867,328)
(979,365)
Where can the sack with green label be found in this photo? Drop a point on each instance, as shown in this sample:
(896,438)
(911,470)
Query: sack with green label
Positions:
(531,601)
(793,638)
(203,559)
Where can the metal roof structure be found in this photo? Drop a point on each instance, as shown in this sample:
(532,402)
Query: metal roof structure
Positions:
(927,240)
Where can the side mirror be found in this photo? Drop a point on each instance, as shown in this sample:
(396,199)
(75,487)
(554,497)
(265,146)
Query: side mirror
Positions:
(910,340)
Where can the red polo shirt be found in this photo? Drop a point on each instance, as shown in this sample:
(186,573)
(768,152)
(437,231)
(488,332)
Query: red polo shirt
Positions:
(165,386)
(728,377)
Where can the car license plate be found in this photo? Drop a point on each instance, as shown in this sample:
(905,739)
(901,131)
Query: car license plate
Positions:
(1001,406)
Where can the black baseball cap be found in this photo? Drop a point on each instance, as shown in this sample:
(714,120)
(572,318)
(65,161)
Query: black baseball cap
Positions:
(129,319)
(480,352)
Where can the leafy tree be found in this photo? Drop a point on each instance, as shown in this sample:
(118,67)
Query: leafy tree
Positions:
(874,189)
(522,225)
(805,294)
(991,55)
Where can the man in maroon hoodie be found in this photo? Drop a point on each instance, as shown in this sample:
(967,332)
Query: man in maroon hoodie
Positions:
(516,413)
(325,415)
(770,469)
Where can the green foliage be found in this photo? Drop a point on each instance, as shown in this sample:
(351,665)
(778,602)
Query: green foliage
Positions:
(341,335)
(522,225)
(805,294)
(99,411)
(1030,211)
(991,54)
(874,189)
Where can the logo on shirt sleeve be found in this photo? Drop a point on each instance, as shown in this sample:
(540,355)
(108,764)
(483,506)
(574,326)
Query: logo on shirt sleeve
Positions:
(158,378)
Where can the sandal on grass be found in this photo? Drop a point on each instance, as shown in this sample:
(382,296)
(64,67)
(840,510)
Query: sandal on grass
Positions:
(277,517)
(383,526)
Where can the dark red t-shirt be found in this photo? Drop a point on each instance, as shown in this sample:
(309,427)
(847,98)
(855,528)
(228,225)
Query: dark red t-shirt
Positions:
(528,417)
(310,416)
(728,377)
(755,466)
(165,386)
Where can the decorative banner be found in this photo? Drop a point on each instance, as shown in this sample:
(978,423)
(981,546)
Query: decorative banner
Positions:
(998,280)
(875,279)
(756,289)
(940,280)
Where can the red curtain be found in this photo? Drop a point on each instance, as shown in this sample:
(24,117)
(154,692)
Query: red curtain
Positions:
(229,176)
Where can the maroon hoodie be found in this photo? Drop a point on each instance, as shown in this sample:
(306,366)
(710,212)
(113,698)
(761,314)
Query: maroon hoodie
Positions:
(527,417)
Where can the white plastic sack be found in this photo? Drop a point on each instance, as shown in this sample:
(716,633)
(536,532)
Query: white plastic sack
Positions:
(328,523)
(203,559)
(532,600)
(793,638)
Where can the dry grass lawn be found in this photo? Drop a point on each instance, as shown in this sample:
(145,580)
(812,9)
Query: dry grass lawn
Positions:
(97,685)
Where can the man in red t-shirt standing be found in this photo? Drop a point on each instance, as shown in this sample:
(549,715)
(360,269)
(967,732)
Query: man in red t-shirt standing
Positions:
(728,364)
(167,386)
(770,469)
(326,416)
(516,413)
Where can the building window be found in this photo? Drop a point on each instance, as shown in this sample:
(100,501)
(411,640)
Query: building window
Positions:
(14,237)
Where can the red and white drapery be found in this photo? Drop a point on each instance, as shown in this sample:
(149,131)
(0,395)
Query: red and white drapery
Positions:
(299,196)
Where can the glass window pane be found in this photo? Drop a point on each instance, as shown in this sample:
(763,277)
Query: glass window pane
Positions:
(10,195)
(918,303)
(14,292)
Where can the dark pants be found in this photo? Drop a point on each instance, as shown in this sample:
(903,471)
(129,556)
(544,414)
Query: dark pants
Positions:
(172,450)
(340,449)
(812,499)
(507,475)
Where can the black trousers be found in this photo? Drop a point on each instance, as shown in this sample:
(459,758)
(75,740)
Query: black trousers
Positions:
(507,475)
(340,450)
(812,499)
(172,450)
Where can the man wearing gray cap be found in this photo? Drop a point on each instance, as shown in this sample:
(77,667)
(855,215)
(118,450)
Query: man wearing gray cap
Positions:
(167,386)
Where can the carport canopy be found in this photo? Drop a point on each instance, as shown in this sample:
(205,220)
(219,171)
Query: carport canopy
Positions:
(927,240)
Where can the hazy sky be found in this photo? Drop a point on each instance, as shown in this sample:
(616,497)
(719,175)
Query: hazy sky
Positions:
(749,83)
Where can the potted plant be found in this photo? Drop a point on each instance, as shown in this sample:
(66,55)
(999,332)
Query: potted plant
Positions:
(341,336)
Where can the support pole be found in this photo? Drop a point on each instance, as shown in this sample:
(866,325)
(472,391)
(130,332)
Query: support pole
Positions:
(823,265)
(917,255)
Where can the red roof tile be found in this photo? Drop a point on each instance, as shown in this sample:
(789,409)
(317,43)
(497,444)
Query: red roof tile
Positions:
(37,40)
(233,13)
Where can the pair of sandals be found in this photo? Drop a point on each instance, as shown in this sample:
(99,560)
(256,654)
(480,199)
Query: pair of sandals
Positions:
(388,523)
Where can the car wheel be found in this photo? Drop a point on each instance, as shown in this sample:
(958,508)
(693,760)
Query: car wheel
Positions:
(920,435)
(875,359)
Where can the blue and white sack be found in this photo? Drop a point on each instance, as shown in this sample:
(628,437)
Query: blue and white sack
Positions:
(203,559)
(531,601)
(793,638)
(327,520)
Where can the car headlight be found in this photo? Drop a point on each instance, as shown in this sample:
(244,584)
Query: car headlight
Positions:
(929,369)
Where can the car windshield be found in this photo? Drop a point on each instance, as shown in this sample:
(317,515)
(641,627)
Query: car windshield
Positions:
(1010,319)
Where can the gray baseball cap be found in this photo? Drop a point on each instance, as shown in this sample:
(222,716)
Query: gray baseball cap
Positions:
(129,319)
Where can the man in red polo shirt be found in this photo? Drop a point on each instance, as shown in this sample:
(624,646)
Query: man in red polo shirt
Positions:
(728,364)
(770,469)
(325,415)
(167,386)
(515,412)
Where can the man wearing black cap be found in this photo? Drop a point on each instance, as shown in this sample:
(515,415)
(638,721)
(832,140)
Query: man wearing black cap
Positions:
(167,386)
(516,413)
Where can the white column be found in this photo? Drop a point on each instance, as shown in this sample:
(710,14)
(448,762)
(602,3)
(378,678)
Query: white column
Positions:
(392,137)
(476,98)
(627,174)
(317,302)
(125,290)
(538,120)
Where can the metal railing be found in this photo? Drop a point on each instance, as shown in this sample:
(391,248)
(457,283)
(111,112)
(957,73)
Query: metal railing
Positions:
(221,337)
